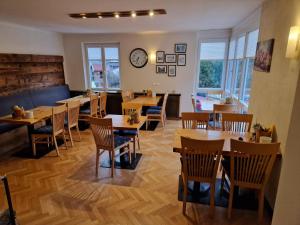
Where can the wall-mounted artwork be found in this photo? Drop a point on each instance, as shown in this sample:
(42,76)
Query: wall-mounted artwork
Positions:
(180,48)
(160,57)
(161,69)
(172,71)
(181,59)
(263,57)
(170,58)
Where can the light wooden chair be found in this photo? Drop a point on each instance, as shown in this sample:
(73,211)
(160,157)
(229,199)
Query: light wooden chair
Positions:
(218,110)
(157,114)
(195,120)
(236,122)
(102,104)
(127,95)
(200,161)
(73,108)
(47,134)
(105,140)
(250,167)
(92,111)
(128,107)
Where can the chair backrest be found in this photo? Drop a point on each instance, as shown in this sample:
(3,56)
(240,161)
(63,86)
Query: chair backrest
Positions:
(251,163)
(194,120)
(128,107)
(94,105)
(102,130)
(163,108)
(102,103)
(201,158)
(58,119)
(127,96)
(236,122)
(73,108)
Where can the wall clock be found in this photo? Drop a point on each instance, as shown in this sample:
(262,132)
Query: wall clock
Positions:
(138,57)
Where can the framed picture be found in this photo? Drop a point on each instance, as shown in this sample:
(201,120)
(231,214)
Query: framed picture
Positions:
(181,60)
(161,69)
(160,57)
(263,57)
(170,58)
(180,48)
(171,70)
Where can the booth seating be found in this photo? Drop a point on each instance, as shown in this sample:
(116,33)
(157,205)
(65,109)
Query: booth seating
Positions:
(29,99)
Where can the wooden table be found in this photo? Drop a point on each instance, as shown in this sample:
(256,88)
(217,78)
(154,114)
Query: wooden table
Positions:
(80,98)
(146,101)
(120,122)
(207,105)
(39,113)
(202,134)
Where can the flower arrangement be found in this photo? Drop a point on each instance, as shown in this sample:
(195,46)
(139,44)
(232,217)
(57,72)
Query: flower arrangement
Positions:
(17,111)
(133,117)
(260,130)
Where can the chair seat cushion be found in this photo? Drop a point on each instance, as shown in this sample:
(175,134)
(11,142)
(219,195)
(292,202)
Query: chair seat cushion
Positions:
(85,111)
(120,140)
(153,111)
(125,132)
(155,107)
(43,130)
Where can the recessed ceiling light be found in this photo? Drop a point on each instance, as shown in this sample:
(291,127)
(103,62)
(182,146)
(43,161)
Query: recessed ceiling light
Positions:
(133,14)
(83,17)
(117,15)
(99,16)
(151,13)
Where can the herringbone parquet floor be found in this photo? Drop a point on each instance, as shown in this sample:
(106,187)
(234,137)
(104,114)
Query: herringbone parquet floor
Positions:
(64,190)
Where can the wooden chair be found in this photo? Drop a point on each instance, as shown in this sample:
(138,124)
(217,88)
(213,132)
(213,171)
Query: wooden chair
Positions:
(105,140)
(218,110)
(92,111)
(73,108)
(194,120)
(102,104)
(128,107)
(250,167)
(47,134)
(236,122)
(200,161)
(157,114)
(127,96)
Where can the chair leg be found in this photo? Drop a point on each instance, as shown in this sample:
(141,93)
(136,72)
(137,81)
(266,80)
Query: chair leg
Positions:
(134,146)
(56,147)
(138,141)
(97,162)
(222,182)
(78,132)
(33,145)
(146,124)
(71,138)
(112,163)
(184,197)
(261,205)
(230,201)
(162,121)
(129,152)
(212,198)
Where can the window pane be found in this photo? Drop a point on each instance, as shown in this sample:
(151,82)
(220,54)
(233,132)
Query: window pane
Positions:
(95,67)
(112,67)
(212,50)
(248,80)
(211,73)
(231,49)
(240,47)
(252,42)
(238,77)
(229,75)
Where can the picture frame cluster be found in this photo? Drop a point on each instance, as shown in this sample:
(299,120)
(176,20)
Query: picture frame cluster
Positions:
(178,58)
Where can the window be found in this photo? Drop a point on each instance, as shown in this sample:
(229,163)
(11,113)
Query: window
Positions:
(239,70)
(230,66)
(212,59)
(103,66)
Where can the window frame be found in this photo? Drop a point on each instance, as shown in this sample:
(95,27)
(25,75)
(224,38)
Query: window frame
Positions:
(212,40)
(102,46)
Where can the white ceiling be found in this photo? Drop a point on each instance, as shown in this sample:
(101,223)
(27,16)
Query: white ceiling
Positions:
(182,15)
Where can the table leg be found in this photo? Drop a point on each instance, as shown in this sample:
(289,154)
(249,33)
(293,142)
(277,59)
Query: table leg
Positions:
(29,131)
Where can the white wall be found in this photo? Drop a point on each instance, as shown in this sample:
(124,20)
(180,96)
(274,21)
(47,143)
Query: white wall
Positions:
(273,94)
(24,40)
(133,78)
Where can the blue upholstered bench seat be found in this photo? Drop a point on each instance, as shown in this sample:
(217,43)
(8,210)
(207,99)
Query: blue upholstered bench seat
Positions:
(155,107)
(153,111)
(43,130)
(125,132)
(120,140)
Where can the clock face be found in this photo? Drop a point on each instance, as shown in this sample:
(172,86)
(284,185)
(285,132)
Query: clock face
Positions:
(138,57)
